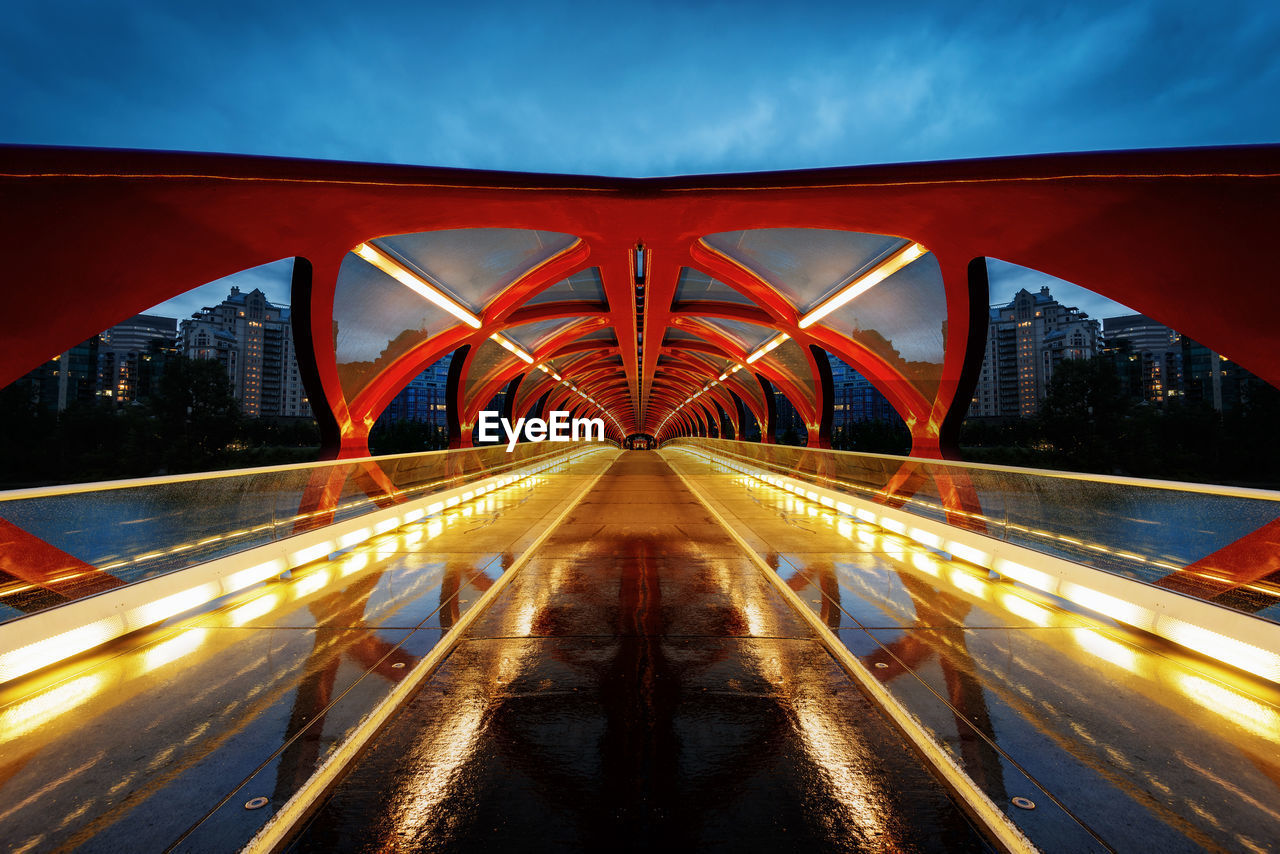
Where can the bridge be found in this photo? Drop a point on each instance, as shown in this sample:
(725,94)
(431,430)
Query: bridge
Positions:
(671,636)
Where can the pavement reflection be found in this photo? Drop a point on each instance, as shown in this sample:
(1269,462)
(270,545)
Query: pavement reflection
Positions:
(1144,744)
(137,744)
(640,686)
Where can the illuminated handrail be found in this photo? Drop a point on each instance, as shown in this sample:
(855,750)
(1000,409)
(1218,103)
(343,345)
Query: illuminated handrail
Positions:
(69,541)
(1179,536)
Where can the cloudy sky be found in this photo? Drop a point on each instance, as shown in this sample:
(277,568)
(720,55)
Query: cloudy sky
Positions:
(656,89)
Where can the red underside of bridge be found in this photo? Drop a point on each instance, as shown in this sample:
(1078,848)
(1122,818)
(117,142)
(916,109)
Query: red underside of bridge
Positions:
(104,235)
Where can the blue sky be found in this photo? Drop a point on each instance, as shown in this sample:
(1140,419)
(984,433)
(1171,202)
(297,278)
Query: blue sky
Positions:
(642,89)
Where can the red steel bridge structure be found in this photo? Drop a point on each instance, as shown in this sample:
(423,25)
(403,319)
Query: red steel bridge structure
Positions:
(1044,641)
(642,293)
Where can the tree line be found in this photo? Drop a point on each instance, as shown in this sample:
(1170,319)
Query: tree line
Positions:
(190,422)
(1088,423)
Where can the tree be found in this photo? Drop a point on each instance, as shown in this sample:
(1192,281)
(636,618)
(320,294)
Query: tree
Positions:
(196,413)
(1082,414)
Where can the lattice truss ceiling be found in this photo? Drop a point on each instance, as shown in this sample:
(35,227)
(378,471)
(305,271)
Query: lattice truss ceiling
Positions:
(679,339)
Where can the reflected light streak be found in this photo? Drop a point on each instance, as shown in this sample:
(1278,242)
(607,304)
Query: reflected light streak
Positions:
(1244,711)
(22,718)
(1026,609)
(311,583)
(253,609)
(968,583)
(1107,649)
(419,801)
(926,563)
(168,651)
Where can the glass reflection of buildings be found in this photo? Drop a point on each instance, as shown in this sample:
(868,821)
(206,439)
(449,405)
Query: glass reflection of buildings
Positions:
(854,401)
(131,354)
(424,399)
(1157,365)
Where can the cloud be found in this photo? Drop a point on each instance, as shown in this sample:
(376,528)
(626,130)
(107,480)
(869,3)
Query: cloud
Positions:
(273,279)
(659,89)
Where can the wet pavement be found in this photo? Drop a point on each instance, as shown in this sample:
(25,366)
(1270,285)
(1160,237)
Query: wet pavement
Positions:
(639,686)
(158,739)
(1122,741)
(639,683)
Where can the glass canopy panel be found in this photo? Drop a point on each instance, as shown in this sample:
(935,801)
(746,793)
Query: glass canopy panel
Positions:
(711,363)
(376,320)
(789,359)
(674,335)
(694,285)
(748,335)
(587,362)
(806,265)
(904,320)
(473,265)
(745,386)
(604,335)
(530,336)
(489,356)
(584,286)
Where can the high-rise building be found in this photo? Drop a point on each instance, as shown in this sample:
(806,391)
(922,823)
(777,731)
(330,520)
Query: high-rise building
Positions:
(124,351)
(854,398)
(67,378)
(1213,378)
(425,398)
(788,426)
(1155,351)
(1026,340)
(253,339)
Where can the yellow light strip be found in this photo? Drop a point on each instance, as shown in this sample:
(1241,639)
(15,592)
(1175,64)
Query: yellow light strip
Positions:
(865,282)
(772,345)
(23,657)
(513,347)
(417,284)
(1259,660)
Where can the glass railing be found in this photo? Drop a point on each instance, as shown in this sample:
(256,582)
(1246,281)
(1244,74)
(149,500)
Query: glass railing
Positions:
(1211,542)
(65,542)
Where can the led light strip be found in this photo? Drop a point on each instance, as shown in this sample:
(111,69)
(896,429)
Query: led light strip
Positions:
(709,386)
(1231,637)
(583,395)
(994,819)
(56,634)
(512,347)
(416,283)
(865,282)
(422,287)
(768,348)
